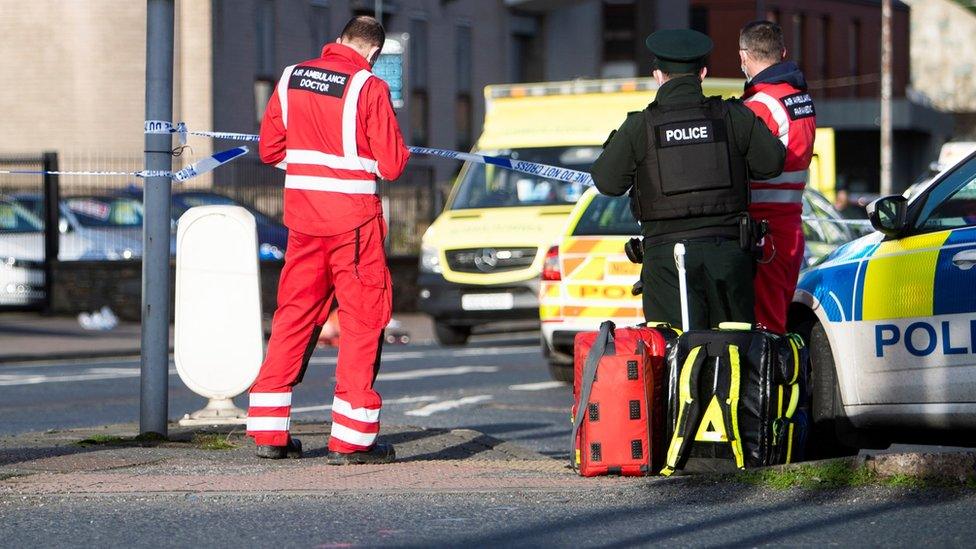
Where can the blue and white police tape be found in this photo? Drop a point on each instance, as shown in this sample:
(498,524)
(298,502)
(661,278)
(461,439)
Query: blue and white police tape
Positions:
(199,167)
(533,168)
(181,131)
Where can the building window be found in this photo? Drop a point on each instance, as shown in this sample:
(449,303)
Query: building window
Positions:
(699,19)
(462,113)
(823,53)
(854,54)
(419,116)
(320,22)
(798,38)
(265,69)
(265,38)
(619,36)
(527,63)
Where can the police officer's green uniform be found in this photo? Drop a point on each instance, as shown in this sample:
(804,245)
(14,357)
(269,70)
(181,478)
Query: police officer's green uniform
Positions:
(687,161)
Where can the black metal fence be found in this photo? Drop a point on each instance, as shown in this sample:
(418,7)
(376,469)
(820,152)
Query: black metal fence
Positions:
(88,218)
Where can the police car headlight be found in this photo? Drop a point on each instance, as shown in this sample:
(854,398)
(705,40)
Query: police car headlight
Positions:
(430,260)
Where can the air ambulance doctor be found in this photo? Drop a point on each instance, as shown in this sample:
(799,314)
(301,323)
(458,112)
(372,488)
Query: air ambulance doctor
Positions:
(331,125)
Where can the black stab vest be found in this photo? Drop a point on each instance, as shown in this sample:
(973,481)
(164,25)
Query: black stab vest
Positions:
(691,168)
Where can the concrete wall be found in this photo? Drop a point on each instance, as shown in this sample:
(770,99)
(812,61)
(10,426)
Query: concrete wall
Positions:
(76,73)
(573,50)
(943,39)
(89,285)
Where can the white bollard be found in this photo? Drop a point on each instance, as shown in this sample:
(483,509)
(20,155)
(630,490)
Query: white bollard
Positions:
(219,339)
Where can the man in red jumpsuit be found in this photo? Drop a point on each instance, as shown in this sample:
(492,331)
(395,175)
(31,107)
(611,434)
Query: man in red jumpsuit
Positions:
(331,125)
(777,92)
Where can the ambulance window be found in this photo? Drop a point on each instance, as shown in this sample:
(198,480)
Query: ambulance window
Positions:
(958,210)
(494,187)
(607,215)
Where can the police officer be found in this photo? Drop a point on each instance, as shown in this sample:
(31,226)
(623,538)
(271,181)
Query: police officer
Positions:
(687,160)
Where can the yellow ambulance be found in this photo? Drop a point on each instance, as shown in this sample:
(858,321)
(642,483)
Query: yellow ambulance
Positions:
(482,258)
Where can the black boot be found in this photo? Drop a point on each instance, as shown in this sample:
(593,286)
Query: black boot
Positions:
(292,451)
(381,453)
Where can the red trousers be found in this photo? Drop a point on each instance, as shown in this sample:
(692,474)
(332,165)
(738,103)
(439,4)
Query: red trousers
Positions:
(778,271)
(351,267)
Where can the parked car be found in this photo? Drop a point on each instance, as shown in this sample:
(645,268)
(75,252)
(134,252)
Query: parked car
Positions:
(21,251)
(90,228)
(272,236)
(587,278)
(93,227)
(891,321)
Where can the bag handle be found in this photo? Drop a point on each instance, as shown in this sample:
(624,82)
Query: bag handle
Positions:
(599,349)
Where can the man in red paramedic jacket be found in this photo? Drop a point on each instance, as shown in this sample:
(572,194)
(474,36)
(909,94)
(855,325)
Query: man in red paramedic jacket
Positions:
(777,92)
(331,126)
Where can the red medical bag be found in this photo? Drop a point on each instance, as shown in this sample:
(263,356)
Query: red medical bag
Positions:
(619,391)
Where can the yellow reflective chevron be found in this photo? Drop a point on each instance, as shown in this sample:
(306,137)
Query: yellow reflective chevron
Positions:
(733,402)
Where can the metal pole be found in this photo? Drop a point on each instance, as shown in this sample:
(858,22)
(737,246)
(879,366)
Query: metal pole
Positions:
(378,10)
(886,123)
(52,226)
(154,386)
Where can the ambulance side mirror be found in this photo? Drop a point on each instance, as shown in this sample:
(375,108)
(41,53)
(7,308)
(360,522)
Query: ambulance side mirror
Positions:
(888,214)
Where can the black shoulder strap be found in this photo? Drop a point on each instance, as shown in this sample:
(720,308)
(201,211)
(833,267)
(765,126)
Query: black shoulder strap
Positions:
(689,410)
(602,346)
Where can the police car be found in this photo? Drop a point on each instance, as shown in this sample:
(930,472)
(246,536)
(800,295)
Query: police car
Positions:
(587,278)
(891,322)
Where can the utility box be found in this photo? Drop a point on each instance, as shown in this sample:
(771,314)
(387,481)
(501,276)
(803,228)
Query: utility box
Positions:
(219,340)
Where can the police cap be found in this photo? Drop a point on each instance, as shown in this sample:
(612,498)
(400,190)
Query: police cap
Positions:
(679,50)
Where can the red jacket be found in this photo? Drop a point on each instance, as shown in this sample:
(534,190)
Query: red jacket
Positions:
(778,96)
(330,123)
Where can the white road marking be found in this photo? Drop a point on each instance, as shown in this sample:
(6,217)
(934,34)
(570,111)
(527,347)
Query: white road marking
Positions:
(91,374)
(407,355)
(404,400)
(436,372)
(541,386)
(447,405)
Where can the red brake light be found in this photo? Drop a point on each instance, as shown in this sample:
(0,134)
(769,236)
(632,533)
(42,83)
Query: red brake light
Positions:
(550,267)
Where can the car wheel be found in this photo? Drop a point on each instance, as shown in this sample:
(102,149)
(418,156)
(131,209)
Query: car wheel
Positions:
(829,430)
(450,334)
(561,372)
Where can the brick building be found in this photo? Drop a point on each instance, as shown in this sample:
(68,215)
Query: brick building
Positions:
(80,88)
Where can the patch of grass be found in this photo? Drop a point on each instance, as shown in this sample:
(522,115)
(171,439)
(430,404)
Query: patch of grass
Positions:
(145,439)
(213,442)
(104,440)
(841,474)
(834,474)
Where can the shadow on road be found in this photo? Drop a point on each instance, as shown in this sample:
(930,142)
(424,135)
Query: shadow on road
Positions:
(716,515)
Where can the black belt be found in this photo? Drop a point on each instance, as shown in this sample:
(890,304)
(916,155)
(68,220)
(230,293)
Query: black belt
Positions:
(705,234)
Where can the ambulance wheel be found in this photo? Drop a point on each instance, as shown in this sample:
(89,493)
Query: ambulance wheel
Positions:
(451,335)
(561,372)
(830,429)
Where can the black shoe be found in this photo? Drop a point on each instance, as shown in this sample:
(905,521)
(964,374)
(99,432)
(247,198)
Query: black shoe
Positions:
(381,453)
(292,451)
